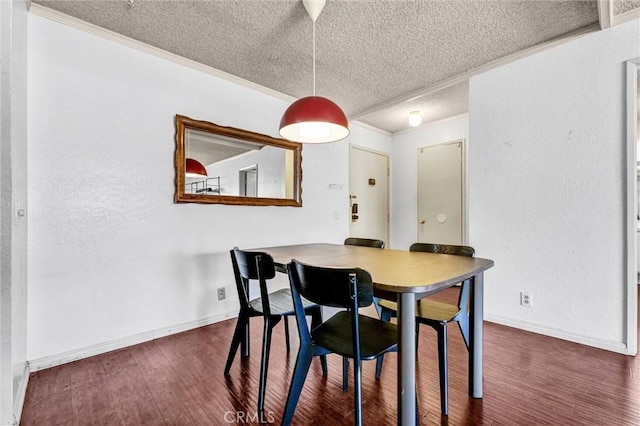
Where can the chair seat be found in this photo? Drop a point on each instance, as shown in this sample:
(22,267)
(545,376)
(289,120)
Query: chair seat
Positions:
(428,310)
(280,303)
(335,334)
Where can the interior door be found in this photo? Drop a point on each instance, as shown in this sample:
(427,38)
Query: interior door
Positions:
(249,181)
(369,193)
(440,201)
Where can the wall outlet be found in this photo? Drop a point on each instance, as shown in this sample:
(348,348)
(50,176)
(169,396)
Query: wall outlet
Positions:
(525,299)
(222,293)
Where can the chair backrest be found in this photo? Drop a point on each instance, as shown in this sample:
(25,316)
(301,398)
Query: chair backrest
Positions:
(443,249)
(332,286)
(364,242)
(348,288)
(252,265)
(463,298)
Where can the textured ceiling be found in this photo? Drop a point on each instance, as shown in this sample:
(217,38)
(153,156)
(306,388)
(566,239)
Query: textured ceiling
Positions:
(377,59)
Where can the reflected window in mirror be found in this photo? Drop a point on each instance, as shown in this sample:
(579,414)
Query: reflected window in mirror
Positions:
(240,167)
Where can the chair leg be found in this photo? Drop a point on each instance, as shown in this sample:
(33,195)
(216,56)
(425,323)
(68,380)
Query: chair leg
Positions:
(357,391)
(286,333)
(442,361)
(376,304)
(463,324)
(235,341)
(244,341)
(379,362)
(385,315)
(303,362)
(316,320)
(345,374)
(264,363)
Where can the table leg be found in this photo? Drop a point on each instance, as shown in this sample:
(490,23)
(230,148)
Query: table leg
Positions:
(475,336)
(406,359)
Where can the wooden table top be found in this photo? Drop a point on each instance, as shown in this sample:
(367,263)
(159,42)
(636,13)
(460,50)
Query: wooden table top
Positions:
(397,271)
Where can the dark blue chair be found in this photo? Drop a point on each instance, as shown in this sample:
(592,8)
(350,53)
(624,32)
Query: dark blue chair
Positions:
(347,333)
(437,315)
(362,242)
(271,306)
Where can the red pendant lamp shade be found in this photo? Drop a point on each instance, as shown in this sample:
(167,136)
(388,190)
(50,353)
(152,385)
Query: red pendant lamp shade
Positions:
(314,119)
(195,169)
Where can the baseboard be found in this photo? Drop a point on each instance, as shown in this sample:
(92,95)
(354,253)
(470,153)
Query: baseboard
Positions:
(100,348)
(21,395)
(608,345)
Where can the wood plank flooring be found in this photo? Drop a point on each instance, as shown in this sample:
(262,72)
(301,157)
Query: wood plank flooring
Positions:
(529,379)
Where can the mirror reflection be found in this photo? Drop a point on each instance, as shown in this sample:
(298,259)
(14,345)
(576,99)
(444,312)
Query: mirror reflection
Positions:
(216,164)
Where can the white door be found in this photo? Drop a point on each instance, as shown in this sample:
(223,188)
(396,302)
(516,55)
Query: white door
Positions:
(369,192)
(440,194)
(249,181)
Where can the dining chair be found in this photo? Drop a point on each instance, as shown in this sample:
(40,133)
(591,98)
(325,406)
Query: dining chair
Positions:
(347,333)
(437,315)
(274,306)
(364,242)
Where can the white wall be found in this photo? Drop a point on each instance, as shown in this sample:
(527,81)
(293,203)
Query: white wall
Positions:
(404,174)
(271,164)
(547,187)
(111,257)
(13,229)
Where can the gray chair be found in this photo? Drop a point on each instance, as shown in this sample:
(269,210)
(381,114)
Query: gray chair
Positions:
(437,315)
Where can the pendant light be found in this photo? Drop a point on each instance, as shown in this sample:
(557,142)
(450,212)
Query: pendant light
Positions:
(194,169)
(314,119)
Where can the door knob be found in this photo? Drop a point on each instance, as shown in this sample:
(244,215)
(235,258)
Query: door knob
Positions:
(422,221)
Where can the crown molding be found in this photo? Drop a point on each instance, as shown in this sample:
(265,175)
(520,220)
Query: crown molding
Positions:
(605,13)
(81,25)
(370,127)
(461,78)
(432,124)
(625,17)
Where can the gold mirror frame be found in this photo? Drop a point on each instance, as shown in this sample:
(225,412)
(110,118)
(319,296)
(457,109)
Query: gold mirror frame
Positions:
(183,123)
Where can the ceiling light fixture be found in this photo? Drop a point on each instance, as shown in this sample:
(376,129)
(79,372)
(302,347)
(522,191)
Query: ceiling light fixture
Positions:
(314,119)
(194,169)
(415,118)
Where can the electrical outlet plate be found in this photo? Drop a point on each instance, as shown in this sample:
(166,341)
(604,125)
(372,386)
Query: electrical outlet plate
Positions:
(525,299)
(222,293)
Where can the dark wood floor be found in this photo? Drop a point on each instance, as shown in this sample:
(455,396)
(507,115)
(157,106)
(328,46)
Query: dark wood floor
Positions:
(529,379)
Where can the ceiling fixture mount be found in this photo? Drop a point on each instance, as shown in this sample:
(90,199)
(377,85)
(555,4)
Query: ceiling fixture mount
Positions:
(415,118)
(194,169)
(314,119)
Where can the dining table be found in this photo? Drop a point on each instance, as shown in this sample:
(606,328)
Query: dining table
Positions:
(405,276)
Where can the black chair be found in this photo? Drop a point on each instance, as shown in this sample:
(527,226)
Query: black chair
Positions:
(271,306)
(437,314)
(364,242)
(347,333)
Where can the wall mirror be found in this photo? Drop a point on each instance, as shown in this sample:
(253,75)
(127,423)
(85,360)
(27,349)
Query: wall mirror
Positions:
(225,165)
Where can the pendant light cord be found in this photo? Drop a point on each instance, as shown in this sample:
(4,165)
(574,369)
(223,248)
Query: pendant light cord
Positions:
(314,57)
